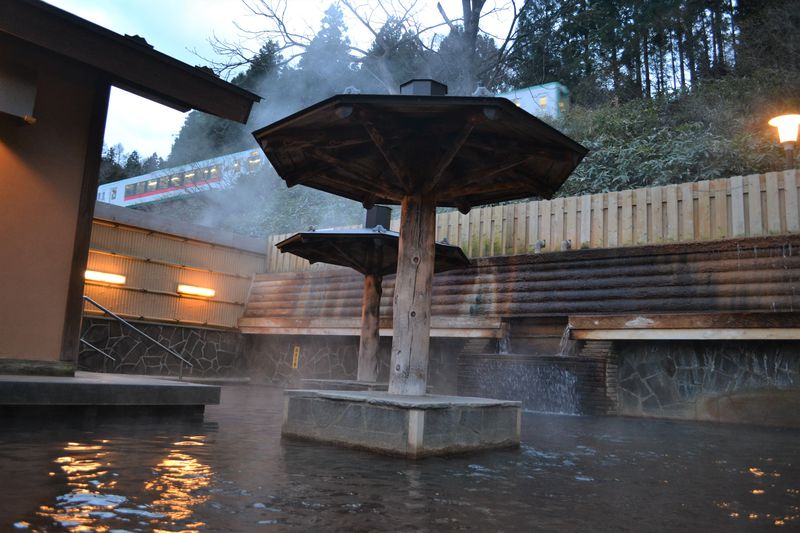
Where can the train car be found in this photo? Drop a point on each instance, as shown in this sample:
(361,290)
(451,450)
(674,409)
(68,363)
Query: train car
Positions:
(549,99)
(216,173)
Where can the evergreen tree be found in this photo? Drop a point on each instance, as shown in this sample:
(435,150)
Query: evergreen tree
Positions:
(133,165)
(203,136)
(152,163)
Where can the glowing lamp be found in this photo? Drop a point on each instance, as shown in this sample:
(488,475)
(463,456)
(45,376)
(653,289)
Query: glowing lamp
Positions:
(104,277)
(787,127)
(191,290)
(787,133)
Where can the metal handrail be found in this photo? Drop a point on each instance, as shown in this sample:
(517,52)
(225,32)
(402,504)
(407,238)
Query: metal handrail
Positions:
(143,334)
(96,349)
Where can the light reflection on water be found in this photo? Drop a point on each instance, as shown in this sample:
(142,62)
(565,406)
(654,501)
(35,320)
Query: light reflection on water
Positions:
(233,472)
(95,504)
(178,482)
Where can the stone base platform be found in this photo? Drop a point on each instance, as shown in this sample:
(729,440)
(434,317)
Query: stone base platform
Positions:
(344,384)
(108,392)
(407,426)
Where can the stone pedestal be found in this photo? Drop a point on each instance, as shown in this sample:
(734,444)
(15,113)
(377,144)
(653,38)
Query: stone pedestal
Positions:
(407,426)
(343,384)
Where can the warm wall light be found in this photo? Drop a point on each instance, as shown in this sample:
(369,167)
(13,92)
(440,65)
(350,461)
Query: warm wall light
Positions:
(787,133)
(104,277)
(196,291)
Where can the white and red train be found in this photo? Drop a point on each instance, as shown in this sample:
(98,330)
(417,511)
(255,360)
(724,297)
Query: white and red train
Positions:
(216,173)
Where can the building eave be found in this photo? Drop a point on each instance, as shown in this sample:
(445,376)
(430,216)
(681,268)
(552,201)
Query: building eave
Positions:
(129,62)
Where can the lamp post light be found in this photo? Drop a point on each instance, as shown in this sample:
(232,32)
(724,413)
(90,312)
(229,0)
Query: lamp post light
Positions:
(787,133)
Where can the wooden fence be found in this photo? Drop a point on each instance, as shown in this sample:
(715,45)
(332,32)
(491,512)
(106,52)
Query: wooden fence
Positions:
(741,206)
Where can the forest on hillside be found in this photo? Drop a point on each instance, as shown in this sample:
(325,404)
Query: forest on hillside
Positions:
(662,91)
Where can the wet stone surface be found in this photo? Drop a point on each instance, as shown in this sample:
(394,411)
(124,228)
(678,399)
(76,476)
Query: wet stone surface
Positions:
(214,353)
(270,360)
(233,472)
(678,378)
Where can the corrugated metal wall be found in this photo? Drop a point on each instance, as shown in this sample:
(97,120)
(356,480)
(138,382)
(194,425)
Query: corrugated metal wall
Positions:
(154,263)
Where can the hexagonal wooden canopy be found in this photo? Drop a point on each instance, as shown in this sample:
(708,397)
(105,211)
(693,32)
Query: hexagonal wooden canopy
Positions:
(465,151)
(368,250)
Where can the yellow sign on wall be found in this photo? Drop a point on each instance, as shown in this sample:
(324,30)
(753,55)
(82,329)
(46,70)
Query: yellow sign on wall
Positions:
(295,356)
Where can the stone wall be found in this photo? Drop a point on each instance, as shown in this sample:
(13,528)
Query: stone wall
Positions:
(213,352)
(727,381)
(322,357)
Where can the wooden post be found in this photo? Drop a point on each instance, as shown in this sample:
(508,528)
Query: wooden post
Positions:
(370,329)
(408,372)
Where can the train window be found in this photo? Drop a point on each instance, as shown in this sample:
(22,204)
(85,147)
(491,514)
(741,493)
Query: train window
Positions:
(237,166)
(214,170)
(114,193)
(543,102)
(175,180)
(152,185)
(130,190)
(141,187)
(205,174)
(163,183)
(188,179)
(253,163)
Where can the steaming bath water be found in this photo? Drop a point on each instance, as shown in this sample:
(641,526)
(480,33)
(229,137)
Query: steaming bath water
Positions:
(232,472)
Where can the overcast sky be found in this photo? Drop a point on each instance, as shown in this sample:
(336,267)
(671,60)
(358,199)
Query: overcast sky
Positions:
(181,27)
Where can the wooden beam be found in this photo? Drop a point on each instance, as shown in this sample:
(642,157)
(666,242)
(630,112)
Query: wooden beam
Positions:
(688,334)
(355,331)
(408,371)
(370,330)
(380,143)
(353,167)
(440,322)
(686,321)
(448,156)
(489,171)
(70,340)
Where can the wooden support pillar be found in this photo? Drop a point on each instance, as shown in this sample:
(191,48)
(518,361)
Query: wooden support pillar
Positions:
(408,372)
(370,329)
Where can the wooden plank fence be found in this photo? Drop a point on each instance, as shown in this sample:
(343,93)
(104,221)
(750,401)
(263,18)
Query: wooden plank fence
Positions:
(741,206)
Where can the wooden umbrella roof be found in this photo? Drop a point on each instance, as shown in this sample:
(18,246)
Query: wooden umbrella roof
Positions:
(368,250)
(465,151)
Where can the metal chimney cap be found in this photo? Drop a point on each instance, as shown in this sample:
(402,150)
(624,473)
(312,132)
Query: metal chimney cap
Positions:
(423,87)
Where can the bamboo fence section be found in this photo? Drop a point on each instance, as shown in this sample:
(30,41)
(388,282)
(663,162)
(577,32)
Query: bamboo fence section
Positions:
(741,206)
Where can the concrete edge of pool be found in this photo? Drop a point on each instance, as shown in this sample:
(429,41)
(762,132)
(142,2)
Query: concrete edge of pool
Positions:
(405,426)
(43,395)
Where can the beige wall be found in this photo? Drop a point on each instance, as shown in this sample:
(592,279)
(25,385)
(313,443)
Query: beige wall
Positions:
(41,170)
(155,254)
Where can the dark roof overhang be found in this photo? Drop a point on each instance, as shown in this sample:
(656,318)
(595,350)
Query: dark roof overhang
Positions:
(129,62)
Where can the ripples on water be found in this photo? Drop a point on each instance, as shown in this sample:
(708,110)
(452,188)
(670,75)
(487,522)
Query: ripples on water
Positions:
(232,472)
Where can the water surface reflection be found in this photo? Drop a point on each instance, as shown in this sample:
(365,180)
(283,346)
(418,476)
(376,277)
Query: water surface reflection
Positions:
(233,473)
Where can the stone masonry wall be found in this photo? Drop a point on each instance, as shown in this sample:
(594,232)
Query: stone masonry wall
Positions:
(322,357)
(214,353)
(729,381)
